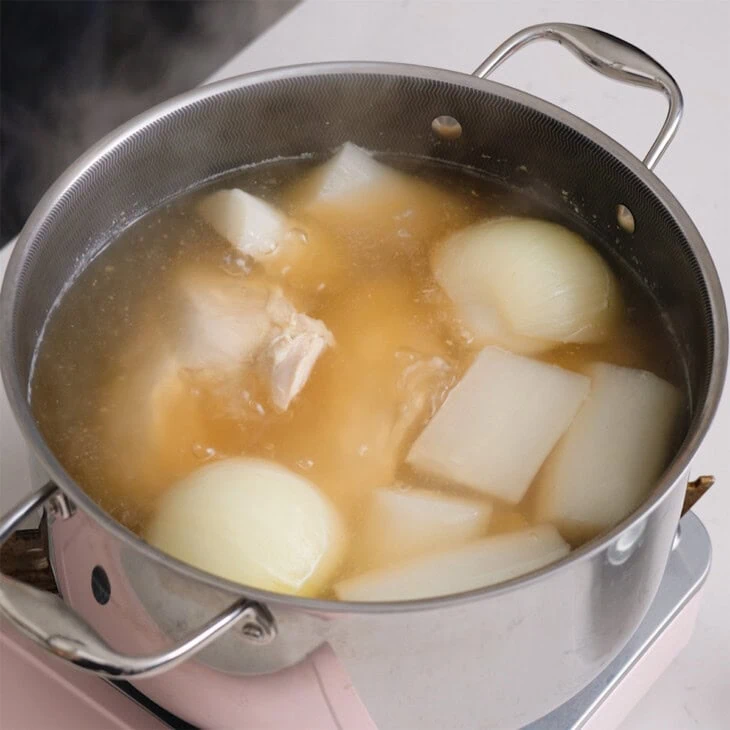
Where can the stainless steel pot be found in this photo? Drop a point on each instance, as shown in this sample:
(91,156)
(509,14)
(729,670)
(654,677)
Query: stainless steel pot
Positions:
(509,653)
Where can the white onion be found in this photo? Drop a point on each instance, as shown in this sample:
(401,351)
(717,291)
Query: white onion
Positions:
(616,447)
(252,522)
(527,284)
(476,565)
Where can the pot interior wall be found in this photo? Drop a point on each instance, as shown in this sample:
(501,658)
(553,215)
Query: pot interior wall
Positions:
(284,114)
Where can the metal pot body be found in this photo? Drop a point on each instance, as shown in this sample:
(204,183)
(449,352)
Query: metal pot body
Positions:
(504,655)
(495,662)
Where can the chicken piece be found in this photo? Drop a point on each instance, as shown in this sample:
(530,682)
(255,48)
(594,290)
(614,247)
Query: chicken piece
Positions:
(296,252)
(290,356)
(468,567)
(605,465)
(186,399)
(499,424)
(222,323)
(226,325)
(421,386)
(379,213)
(367,413)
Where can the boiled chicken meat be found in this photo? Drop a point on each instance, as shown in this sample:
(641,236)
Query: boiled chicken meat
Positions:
(291,355)
(392,371)
(229,324)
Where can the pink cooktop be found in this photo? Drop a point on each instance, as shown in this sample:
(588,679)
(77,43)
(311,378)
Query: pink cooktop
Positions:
(38,691)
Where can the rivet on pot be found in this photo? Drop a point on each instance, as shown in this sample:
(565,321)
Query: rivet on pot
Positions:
(625,218)
(100,586)
(60,507)
(446,127)
(253,631)
(259,626)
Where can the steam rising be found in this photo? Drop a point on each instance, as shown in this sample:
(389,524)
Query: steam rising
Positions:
(75,71)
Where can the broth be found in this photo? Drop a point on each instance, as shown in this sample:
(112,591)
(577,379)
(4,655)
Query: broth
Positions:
(376,294)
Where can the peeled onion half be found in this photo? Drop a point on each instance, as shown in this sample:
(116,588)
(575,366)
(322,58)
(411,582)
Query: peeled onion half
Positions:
(252,522)
(527,284)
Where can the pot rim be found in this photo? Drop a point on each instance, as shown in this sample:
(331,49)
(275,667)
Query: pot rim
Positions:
(674,472)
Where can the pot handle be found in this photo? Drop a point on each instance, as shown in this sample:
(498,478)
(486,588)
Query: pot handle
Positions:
(611,57)
(53,625)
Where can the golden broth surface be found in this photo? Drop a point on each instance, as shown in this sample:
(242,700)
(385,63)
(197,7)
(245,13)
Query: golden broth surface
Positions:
(102,353)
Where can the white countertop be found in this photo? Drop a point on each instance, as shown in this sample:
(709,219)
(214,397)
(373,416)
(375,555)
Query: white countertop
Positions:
(691,38)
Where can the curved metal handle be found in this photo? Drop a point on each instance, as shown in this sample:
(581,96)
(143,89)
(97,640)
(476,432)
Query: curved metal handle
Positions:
(53,625)
(608,55)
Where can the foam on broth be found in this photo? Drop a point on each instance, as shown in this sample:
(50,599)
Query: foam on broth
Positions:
(382,305)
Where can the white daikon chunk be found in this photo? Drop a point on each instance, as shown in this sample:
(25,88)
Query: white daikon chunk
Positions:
(300,254)
(252,522)
(400,524)
(527,284)
(475,565)
(253,226)
(499,423)
(350,171)
(378,213)
(617,446)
